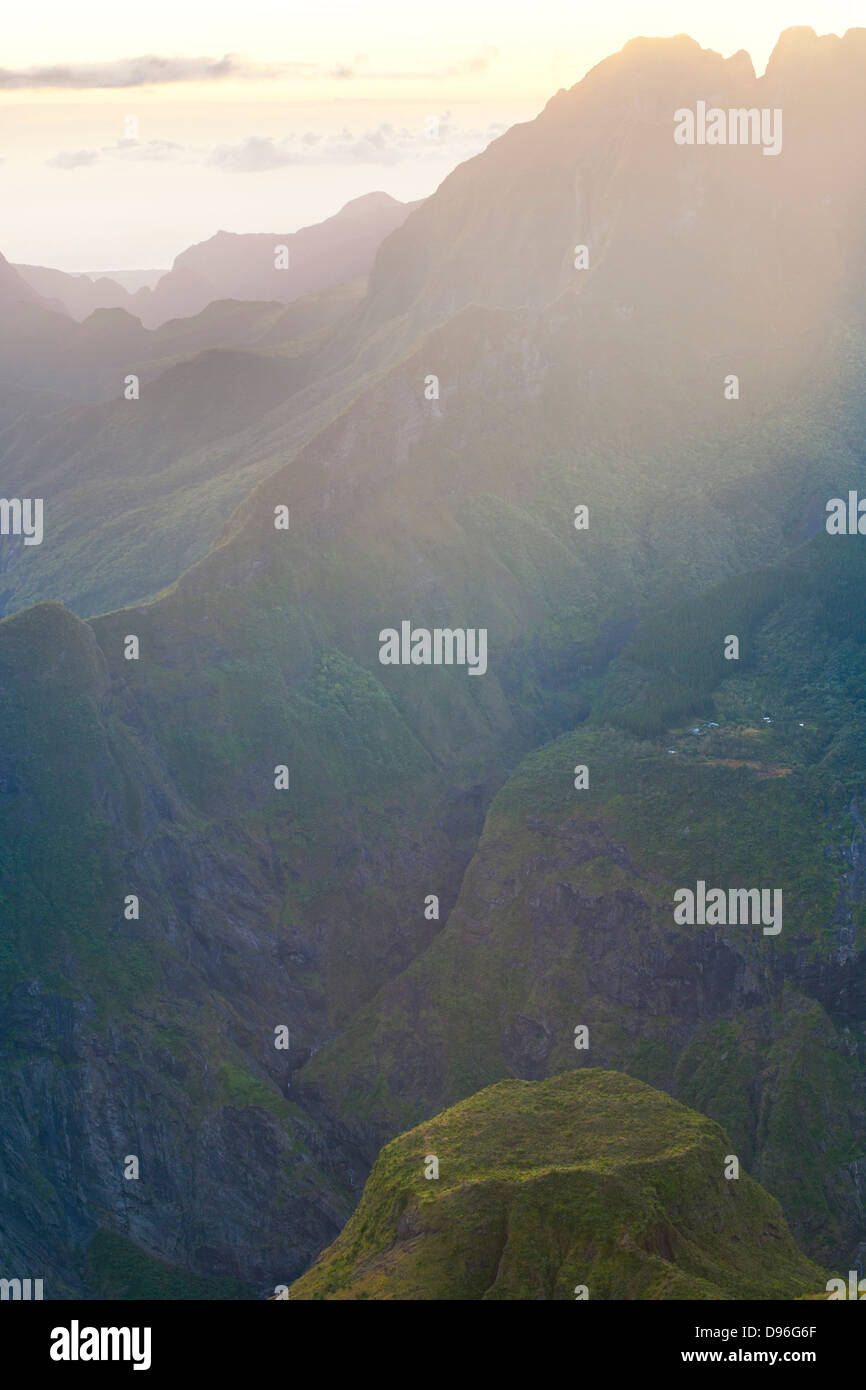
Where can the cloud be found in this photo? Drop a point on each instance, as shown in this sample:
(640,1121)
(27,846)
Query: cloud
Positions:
(150,70)
(252,156)
(73,159)
(146,71)
(384,144)
(465,67)
(477,64)
(159,150)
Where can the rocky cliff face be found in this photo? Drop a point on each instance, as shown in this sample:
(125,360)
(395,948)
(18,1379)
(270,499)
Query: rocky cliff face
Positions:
(150,1031)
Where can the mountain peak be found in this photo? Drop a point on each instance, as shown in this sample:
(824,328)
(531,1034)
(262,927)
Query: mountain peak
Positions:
(801,52)
(619,1179)
(367,202)
(654,67)
(14,289)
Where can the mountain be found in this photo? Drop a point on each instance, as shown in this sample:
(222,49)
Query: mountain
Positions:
(233,265)
(565,915)
(599,167)
(243,266)
(429,906)
(65,420)
(157,476)
(14,290)
(130,280)
(77,295)
(596,165)
(590,1184)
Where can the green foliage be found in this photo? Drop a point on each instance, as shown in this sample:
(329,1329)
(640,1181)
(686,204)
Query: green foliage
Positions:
(117,1268)
(240,1087)
(590,1178)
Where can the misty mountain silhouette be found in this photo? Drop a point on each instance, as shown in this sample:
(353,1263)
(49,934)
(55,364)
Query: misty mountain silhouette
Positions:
(234,265)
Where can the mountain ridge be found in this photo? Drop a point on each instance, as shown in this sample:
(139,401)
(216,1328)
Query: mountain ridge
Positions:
(236,265)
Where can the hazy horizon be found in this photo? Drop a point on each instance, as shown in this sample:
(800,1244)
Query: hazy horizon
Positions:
(119,151)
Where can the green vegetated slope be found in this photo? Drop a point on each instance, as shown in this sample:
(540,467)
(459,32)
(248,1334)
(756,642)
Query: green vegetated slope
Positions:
(589,1184)
(227,395)
(565,917)
(225,398)
(155,776)
(151,1036)
(118,1269)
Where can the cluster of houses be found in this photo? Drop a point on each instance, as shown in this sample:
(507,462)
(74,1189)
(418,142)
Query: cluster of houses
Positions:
(705,728)
(700,729)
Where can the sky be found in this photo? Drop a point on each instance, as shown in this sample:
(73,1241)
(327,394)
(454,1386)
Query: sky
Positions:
(128,132)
